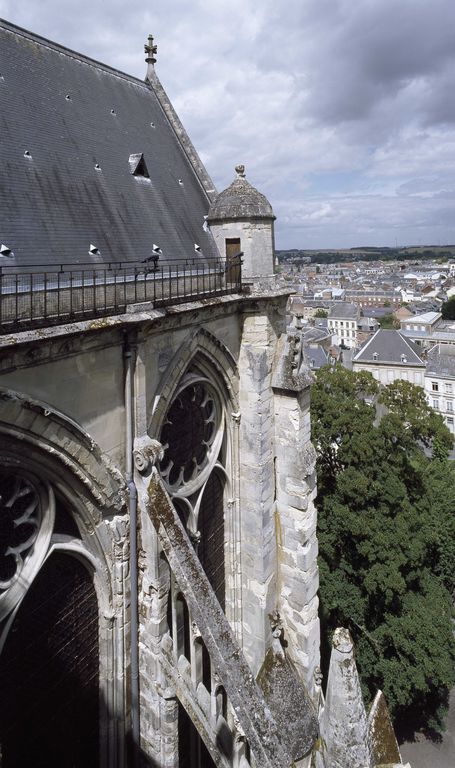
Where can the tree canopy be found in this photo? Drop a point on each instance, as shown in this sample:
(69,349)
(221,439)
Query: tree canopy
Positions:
(448,309)
(387,536)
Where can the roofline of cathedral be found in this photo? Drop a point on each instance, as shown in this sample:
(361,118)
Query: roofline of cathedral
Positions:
(70,52)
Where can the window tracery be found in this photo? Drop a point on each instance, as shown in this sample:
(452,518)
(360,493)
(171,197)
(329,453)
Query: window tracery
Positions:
(192,469)
(26,522)
(191,436)
(20,518)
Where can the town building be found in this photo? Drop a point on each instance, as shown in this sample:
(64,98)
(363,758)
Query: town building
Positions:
(428,329)
(389,356)
(440,382)
(343,319)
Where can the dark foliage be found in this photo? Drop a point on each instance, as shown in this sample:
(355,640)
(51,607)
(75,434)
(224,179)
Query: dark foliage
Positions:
(387,536)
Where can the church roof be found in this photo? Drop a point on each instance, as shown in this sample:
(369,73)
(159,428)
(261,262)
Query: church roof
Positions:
(240,201)
(90,157)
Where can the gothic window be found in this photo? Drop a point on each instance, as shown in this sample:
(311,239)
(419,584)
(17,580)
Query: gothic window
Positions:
(192,470)
(26,521)
(20,520)
(211,527)
(49,672)
(192,750)
(189,436)
(49,649)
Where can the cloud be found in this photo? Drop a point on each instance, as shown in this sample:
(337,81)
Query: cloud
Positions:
(342,112)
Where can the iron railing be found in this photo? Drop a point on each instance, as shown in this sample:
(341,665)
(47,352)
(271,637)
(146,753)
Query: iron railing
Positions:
(38,296)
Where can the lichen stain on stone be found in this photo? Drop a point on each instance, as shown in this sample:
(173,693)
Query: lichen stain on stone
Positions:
(382,736)
(289,703)
(103,322)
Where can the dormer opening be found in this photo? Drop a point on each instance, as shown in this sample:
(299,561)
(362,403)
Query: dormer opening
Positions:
(138,166)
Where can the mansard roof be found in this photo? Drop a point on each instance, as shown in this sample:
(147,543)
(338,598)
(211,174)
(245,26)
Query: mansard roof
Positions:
(344,310)
(91,156)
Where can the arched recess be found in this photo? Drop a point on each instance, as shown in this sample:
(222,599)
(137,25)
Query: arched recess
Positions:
(211,526)
(215,361)
(49,671)
(196,418)
(88,522)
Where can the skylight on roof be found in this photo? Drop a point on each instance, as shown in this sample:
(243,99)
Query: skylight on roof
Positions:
(138,166)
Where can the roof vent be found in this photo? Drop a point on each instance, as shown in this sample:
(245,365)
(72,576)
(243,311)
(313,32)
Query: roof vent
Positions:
(375,356)
(97,167)
(197,248)
(93,250)
(113,112)
(152,125)
(138,166)
(156,249)
(181,182)
(5,251)
(404,359)
(68,97)
(27,154)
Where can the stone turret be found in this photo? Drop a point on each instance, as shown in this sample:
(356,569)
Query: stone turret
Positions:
(241,220)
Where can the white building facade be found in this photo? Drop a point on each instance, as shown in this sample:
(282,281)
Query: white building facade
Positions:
(440,382)
(342,324)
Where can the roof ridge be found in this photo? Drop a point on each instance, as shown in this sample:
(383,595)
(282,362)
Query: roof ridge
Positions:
(362,349)
(199,169)
(71,53)
(409,345)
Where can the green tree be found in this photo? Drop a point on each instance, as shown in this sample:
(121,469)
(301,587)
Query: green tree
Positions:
(321,313)
(448,309)
(387,536)
(388,321)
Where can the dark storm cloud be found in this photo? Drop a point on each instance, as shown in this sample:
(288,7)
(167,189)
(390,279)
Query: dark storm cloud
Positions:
(373,51)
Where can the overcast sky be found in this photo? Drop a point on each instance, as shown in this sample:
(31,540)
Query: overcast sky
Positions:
(343,111)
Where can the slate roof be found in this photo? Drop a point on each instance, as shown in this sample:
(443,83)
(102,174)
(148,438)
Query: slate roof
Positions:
(316,357)
(425,318)
(81,121)
(441,361)
(240,201)
(343,310)
(313,335)
(389,347)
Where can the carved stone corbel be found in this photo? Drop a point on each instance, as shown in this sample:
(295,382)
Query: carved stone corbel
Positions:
(147,454)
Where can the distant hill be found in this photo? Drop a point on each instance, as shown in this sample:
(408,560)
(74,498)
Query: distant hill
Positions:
(367,253)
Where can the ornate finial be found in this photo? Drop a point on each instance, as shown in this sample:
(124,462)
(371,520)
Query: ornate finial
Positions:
(150,50)
(240,171)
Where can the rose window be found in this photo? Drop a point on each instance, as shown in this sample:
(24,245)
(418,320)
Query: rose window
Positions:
(20,520)
(190,435)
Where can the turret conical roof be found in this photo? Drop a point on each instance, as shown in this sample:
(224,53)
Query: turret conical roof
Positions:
(240,201)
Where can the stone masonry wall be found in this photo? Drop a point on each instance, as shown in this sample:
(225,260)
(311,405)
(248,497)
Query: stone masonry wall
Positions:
(296,524)
(257,491)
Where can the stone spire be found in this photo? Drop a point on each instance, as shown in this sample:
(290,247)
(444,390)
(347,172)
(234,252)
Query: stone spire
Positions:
(150,49)
(344,725)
